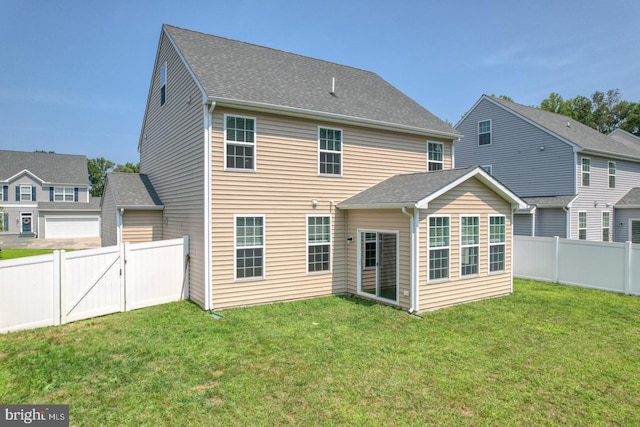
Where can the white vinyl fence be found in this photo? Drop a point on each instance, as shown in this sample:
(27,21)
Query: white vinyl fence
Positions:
(65,286)
(597,265)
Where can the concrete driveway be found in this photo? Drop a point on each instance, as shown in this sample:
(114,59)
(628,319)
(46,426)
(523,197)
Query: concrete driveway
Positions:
(33,243)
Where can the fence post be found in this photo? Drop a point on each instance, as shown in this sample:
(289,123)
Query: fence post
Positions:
(57,285)
(124,254)
(556,259)
(628,260)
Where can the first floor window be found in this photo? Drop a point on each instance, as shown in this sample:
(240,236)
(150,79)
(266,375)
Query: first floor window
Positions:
(318,243)
(606,230)
(370,250)
(634,232)
(4,221)
(329,151)
(249,238)
(497,246)
(439,233)
(582,225)
(435,153)
(63,194)
(240,142)
(469,245)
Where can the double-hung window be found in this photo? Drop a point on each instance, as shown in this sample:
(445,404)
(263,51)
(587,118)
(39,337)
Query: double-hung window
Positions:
(497,243)
(163,83)
(469,245)
(484,132)
(329,151)
(439,233)
(26,193)
(435,154)
(586,171)
(606,227)
(612,174)
(582,225)
(318,243)
(240,144)
(4,221)
(63,194)
(249,252)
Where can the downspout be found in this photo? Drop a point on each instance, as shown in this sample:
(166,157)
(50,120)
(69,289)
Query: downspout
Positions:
(119,221)
(208,291)
(568,222)
(414,277)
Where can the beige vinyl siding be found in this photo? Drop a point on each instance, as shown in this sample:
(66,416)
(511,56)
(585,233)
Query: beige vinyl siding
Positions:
(172,155)
(141,226)
(108,222)
(469,198)
(380,220)
(282,189)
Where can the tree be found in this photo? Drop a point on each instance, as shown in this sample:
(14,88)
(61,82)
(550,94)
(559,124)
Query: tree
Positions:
(556,104)
(128,168)
(98,169)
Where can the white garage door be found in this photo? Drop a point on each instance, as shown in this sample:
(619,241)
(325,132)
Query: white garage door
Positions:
(71,227)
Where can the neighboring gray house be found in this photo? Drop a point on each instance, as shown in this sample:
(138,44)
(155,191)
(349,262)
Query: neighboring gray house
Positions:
(46,195)
(131,209)
(578,182)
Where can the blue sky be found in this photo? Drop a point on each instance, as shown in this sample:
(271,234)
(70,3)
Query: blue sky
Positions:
(74,75)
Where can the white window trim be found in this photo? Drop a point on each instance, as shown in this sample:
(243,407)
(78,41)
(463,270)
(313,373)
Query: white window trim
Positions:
(359,263)
(489,244)
(4,214)
(461,246)
(30,187)
(429,248)
(602,225)
(441,162)
(64,194)
(582,172)
(586,224)
(330,243)
(253,144)
(609,174)
(630,233)
(163,83)
(236,247)
(490,132)
(341,152)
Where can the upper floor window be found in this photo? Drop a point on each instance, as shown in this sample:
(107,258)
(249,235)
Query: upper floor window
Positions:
(439,233)
(469,245)
(497,239)
(318,243)
(240,142)
(488,169)
(63,194)
(612,174)
(4,193)
(582,225)
(435,154)
(586,171)
(484,132)
(26,193)
(249,254)
(163,83)
(329,151)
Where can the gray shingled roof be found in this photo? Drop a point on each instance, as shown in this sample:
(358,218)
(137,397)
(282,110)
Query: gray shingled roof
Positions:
(622,136)
(133,190)
(575,132)
(233,70)
(630,200)
(405,190)
(550,201)
(93,205)
(51,168)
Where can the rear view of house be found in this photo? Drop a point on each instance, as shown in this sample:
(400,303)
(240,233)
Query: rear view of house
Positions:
(287,172)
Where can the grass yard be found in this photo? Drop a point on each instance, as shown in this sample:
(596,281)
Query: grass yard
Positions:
(22,252)
(547,355)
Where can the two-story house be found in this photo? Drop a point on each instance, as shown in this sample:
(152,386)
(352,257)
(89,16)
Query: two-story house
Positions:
(578,182)
(296,177)
(46,195)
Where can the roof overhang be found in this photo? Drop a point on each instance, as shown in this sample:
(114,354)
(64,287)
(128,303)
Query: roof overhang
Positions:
(140,208)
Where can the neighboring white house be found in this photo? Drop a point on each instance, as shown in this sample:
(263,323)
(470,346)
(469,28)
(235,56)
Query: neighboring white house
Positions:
(46,195)
(579,183)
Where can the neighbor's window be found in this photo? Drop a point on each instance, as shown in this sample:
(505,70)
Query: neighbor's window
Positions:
(612,174)
(606,227)
(586,171)
(240,142)
(484,132)
(497,239)
(163,83)
(4,221)
(27,193)
(439,233)
(370,250)
(318,243)
(63,194)
(582,225)
(329,151)
(488,169)
(249,247)
(435,153)
(469,245)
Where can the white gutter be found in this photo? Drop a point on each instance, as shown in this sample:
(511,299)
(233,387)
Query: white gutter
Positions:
(208,292)
(414,254)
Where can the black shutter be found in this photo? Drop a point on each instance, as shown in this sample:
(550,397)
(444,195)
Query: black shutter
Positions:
(33,194)
(51,194)
(17,193)
(75,194)
(5,193)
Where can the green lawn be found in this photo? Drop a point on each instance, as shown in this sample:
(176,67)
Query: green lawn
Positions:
(21,253)
(547,355)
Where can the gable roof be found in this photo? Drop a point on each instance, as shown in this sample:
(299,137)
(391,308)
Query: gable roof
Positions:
(132,191)
(630,200)
(50,168)
(242,74)
(622,136)
(570,130)
(416,190)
